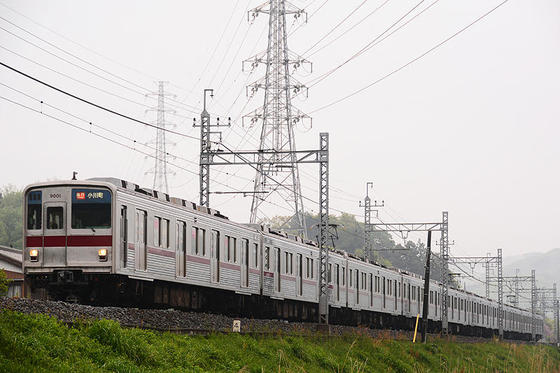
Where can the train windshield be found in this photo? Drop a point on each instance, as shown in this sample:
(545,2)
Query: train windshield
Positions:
(91,208)
(34,210)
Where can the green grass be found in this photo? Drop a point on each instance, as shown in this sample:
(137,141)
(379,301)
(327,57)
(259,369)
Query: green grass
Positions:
(38,343)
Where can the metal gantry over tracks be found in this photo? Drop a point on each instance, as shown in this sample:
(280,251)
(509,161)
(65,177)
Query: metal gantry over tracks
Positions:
(443,227)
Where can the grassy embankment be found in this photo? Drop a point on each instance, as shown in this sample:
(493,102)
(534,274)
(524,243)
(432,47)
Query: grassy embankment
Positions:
(39,343)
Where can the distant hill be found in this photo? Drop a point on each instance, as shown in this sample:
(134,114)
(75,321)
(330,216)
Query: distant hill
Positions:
(547,266)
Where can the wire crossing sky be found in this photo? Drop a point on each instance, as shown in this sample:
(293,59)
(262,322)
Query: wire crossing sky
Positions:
(470,127)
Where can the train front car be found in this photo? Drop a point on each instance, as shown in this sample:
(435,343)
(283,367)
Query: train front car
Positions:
(68,231)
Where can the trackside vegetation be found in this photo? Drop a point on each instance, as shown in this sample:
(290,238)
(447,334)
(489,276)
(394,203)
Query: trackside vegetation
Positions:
(37,343)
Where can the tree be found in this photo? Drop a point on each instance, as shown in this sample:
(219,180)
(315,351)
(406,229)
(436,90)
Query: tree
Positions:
(3,282)
(11,215)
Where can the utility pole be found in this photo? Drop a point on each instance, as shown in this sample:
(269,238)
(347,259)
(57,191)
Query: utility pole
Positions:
(425,305)
(533,305)
(368,234)
(206,148)
(278,117)
(444,254)
(160,167)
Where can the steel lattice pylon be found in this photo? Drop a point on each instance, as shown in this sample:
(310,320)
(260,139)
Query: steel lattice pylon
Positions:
(278,119)
(160,170)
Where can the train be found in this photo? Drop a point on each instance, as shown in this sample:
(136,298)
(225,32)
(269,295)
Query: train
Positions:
(109,241)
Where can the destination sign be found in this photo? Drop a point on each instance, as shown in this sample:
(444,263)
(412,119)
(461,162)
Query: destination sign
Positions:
(91,196)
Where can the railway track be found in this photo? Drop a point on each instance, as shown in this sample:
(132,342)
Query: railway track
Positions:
(195,323)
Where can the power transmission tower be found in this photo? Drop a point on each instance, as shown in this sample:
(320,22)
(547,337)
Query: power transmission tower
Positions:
(160,170)
(275,178)
(368,234)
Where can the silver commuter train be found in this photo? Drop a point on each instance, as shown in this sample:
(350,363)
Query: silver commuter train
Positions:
(108,240)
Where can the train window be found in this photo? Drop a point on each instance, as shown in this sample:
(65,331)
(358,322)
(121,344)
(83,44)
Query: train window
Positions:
(215,243)
(34,210)
(286,266)
(161,232)
(157,222)
(312,269)
(180,236)
(202,241)
(164,236)
(91,209)
(291,263)
(245,248)
(194,240)
(55,218)
(330,274)
(431,297)
(256,255)
(227,248)
(307,267)
(233,244)
(350,278)
(267,258)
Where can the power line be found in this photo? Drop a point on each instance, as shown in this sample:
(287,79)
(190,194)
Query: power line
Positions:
(82,82)
(185,106)
(350,29)
(411,61)
(81,45)
(336,26)
(92,103)
(71,54)
(364,49)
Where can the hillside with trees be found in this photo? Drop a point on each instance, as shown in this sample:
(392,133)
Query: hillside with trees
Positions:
(11,215)
(409,256)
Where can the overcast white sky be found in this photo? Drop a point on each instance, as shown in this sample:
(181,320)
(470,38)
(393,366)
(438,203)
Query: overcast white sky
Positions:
(471,128)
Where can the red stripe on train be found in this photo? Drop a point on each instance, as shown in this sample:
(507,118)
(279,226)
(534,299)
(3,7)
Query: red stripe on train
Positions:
(72,241)
(31,241)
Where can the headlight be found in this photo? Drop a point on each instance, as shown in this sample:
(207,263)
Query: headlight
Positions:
(102,255)
(33,254)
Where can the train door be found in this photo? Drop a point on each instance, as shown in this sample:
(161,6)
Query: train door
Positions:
(299,274)
(181,248)
(357,285)
(277,271)
(245,263)
(337,284)
(384,291)
(141,240)
(395,294)
(215,256)
(124,236)
(407,286)
(54,244)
